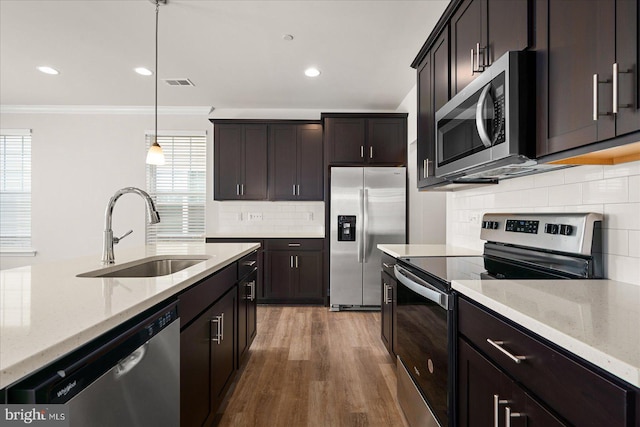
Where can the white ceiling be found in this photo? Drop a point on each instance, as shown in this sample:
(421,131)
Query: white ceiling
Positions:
(233,51)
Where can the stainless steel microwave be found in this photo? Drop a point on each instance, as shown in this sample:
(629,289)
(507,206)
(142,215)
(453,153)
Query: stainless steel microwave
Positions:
(487,131)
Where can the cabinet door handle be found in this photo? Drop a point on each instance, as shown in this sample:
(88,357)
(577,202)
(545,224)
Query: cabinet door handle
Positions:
(371,152)
(473,68)
(251,285)
(362,151)
(296,261)
(595,97)
(596,82)
(297,189)
(499,346)
(496,408)
(425,168)
(294,190)
(508,415)
(242,189)
(291,261)
(616,76)
(387,288)
(219,322)
(385,265)
(237,189)
(477,67)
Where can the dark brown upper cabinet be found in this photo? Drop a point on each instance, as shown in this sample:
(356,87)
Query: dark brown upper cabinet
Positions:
(588,73)
(433,93)
(296,166)
(481,32)
(371,139)
(240,161)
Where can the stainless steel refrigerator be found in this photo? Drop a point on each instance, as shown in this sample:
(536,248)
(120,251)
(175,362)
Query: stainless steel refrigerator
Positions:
(367,207)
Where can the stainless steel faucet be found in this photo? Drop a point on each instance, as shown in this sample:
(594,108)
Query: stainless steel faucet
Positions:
(152,216)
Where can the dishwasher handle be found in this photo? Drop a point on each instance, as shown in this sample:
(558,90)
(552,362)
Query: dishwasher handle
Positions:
(128,363)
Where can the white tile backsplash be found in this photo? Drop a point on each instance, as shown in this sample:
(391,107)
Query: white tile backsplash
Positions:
(304,218)
(613,191)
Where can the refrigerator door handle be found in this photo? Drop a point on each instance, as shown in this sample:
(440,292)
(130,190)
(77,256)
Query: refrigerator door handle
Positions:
(360,230)
(365,224)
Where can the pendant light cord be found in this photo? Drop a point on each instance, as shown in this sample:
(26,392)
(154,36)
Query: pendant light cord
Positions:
(156,70)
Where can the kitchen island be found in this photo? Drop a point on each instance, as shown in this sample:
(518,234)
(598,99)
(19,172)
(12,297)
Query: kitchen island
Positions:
(47,311)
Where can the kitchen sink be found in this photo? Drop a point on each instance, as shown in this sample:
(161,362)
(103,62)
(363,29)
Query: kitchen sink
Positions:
(161,265)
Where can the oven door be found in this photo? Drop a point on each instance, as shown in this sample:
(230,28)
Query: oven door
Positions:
(424,325)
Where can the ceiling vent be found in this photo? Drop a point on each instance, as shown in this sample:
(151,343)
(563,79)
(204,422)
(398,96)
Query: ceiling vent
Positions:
(178,82)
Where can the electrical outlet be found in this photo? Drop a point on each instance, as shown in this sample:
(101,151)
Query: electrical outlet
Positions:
(254,216)
(309,216)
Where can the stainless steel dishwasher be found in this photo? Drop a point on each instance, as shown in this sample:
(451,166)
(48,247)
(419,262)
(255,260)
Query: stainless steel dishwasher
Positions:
(127,377)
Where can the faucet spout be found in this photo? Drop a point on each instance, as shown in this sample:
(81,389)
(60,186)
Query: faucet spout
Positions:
(153,217)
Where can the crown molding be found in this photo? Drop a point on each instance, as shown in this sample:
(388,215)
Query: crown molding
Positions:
(104,109)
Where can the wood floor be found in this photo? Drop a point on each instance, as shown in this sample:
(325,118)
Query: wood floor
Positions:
(312,367)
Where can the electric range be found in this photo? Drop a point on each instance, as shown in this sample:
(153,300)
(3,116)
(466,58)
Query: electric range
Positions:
(517,246)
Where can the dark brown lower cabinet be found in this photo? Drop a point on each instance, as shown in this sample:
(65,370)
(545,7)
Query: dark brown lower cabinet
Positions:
(389,286)
(247,320)
(487,397)
(498,358)
(293,271)
(207,361)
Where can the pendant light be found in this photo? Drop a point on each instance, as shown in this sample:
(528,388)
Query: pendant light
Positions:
(155,156)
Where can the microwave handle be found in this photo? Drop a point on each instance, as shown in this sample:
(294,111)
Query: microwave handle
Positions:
(482,129)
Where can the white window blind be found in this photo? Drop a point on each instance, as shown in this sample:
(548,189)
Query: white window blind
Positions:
(15,190)
(178,188)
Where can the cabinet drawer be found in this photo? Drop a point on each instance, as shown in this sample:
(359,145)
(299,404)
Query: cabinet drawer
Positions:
(294,244)
(197,298)
(387,264)
(247,264)
(575,392)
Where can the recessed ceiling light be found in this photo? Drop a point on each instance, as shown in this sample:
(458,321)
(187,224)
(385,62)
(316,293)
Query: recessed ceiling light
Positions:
(312,72)
(287,37)
(48,70)
(143,71)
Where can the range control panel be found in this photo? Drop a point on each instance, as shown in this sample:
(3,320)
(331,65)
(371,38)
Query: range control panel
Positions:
(522,226)
(563,232)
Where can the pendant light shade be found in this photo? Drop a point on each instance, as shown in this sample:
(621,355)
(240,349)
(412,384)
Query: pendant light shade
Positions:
(155,156)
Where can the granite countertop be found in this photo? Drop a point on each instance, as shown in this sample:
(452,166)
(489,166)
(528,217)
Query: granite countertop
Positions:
(406,251)
(597,320)
(47,311)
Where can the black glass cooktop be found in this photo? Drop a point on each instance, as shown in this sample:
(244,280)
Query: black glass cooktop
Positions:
(443,270)
(446,269)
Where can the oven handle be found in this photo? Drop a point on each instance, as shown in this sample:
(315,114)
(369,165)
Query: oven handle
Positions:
(423,288)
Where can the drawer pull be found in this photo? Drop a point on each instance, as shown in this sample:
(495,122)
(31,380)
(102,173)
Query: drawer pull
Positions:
(249,263)
(294,245)
(499,344)
(385,265)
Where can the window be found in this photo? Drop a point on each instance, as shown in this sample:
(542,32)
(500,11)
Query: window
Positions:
(15,191)
(178,187)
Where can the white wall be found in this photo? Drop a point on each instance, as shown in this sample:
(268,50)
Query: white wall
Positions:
(78,162)
(427,210)
(610,190)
